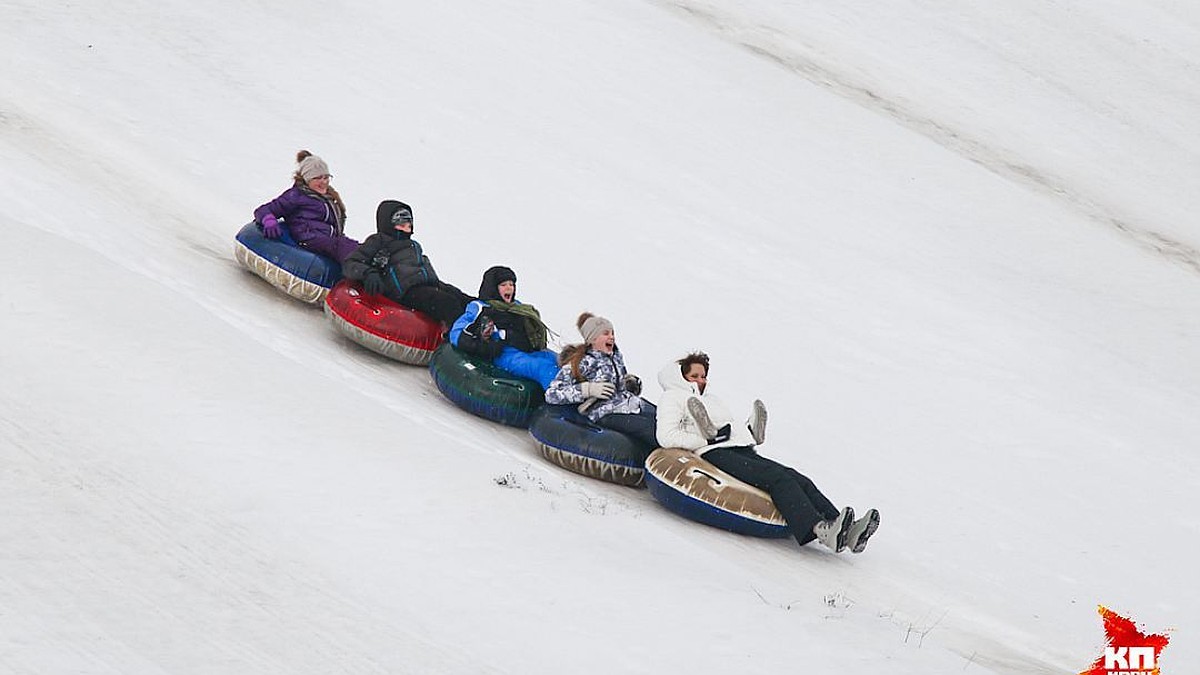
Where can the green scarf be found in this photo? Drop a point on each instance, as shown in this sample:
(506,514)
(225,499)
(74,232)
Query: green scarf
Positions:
(534,328)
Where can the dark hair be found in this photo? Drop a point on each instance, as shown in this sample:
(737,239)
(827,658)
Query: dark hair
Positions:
(695,357)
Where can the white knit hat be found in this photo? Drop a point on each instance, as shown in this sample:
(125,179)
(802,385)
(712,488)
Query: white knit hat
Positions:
(313,166)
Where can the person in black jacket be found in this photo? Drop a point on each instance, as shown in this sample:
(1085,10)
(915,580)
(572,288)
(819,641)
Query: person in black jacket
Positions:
(391,262)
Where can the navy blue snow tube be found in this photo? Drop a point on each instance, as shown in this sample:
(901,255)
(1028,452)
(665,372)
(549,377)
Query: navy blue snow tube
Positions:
(695,489)
(483,389)
(570,440)
(300,273)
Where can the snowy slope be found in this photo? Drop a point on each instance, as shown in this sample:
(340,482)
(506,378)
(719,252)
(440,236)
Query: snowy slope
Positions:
(953,249)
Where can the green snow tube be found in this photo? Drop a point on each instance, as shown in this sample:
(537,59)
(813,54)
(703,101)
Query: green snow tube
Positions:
(482,389)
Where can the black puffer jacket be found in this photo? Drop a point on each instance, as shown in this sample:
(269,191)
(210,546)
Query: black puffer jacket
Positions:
(394,253)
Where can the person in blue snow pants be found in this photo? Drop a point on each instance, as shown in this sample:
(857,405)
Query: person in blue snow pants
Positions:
(505,331)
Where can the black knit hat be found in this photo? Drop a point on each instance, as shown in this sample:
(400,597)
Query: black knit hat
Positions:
(390,213)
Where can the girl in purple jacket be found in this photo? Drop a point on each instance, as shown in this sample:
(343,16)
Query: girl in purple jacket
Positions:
(311,209)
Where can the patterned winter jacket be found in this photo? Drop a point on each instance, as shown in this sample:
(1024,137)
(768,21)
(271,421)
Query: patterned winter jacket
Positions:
(676,426)
(596,366)
(307,214)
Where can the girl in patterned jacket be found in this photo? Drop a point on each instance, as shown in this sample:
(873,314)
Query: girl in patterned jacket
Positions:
(593,376)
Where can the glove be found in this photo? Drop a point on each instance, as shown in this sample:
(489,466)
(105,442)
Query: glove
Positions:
(723,435)
(632,384)
(600,390)
(373,282)
(271,228)
(381,260)
(482,327)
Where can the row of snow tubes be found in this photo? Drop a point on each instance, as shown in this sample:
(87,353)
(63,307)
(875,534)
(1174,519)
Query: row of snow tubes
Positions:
(682,481)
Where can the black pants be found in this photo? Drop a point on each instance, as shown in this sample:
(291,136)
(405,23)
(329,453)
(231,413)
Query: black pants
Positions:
(641,426)
(439,300)
(799,501)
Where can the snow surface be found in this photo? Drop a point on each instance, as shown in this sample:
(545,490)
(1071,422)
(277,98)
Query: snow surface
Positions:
(952,246)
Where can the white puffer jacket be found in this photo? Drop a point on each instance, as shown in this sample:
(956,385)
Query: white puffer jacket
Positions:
(676,426)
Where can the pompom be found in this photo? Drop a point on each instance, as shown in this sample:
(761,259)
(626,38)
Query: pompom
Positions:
(301,155)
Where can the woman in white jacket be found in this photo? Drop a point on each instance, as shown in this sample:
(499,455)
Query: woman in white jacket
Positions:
(692,420)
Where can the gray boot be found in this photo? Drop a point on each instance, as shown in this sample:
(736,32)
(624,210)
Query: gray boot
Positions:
(758,422)
(699,413)
(833,533)
(861,531)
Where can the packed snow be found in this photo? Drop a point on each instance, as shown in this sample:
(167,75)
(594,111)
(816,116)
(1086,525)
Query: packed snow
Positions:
(953,248)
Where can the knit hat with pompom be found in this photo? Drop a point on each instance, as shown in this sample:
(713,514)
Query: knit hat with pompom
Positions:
(590,326)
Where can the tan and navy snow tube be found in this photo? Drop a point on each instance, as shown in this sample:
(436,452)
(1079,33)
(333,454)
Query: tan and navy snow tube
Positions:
(695,489)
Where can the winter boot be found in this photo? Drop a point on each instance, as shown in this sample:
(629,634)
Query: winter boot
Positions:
(832,533)
(758,422)
(696,407)
(861,531)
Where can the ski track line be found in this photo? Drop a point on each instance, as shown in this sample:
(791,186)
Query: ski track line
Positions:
(773,46)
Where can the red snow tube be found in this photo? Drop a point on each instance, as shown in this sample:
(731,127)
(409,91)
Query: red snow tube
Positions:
(381,325)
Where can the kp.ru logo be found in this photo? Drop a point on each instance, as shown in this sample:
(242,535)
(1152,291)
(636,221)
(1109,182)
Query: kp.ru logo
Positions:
(1129,651)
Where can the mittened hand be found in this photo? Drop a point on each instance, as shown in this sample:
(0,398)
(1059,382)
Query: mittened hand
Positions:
(600,390)
(723,434)
(482,327)
(373,282)
(271,228)
(381,260)
(633,384)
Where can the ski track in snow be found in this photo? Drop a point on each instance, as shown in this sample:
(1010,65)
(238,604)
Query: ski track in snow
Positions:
(787,52)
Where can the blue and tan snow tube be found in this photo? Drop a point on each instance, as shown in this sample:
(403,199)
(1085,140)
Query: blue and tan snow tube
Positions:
(300,273)
(381,325)
(570,440)
(695,489)
(482,389)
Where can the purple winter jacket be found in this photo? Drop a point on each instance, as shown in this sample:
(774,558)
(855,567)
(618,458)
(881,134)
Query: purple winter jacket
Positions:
(307,214)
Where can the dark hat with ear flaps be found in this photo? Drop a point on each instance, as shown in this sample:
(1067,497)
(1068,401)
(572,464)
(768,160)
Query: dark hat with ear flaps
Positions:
(488,288)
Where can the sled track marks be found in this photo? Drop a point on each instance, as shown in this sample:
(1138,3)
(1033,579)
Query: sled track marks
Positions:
(790,53)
